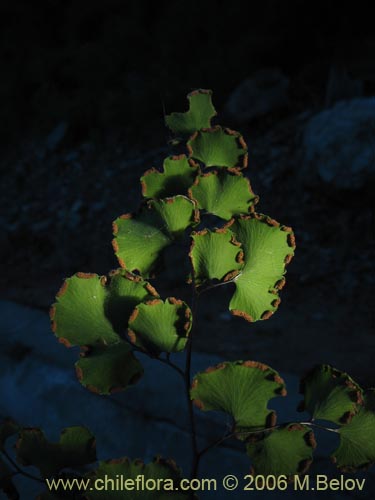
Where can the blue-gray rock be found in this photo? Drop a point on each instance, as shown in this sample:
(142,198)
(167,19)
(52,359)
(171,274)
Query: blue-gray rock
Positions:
(339,146)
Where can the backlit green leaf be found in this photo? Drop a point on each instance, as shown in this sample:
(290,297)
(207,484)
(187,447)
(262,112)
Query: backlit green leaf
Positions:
(283,451)
(178,175)
(75,449)
(158,326)
(215,255)
(105,370)
(223,194)
(242,389)
(218,147)
(140,239)
(330,394)
(197,117)
(88,312)
(267,248)
(357,438)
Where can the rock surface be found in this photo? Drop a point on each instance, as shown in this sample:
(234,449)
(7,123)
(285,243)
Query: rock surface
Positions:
(339,145)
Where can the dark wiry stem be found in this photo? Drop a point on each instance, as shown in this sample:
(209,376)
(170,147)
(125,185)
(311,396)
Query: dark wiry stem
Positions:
(189,347)
(18,469)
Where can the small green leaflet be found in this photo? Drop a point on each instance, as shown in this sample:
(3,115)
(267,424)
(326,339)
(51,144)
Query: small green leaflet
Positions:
(240,388)
(178,175)
(330,394)
(218,147)
(199,115)
(158,326)
(215,255)
(106,370)
(357,438)
(286,450)
(140,238)
(223,194)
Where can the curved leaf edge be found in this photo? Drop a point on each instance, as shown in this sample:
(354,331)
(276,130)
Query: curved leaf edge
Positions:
(279,285)
(356,393)
(231,275)
(243,157)
(309,439)
(103,281)
(272,376)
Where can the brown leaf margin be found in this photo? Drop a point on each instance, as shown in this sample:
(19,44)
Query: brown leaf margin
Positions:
(277,287)
(243,158)
(271,375)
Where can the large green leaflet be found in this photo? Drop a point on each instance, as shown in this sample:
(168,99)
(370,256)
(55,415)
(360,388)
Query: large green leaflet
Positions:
(161,476)
(267,247)
(90,313)
(357,438)
(223,194)
(140,239)
(330,394)
(75,449)
(215,255)
(218,147)
(158,326)
(178,175)
(199,115)
(105,370)
(240,388)
(286,450)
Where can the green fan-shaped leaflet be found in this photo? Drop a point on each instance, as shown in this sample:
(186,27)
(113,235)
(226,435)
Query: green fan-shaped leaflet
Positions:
(215,255)
(75,449)
(218,147)
(90,313)
(163,471)
(330,394)
(105,370)
(267,248)
(158,326)
(286,450)
(199,115)
(223,194)
(140,239)
(242,389)
(357,438)
(178,175)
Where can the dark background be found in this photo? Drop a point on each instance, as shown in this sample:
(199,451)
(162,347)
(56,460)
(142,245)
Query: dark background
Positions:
(103,73)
